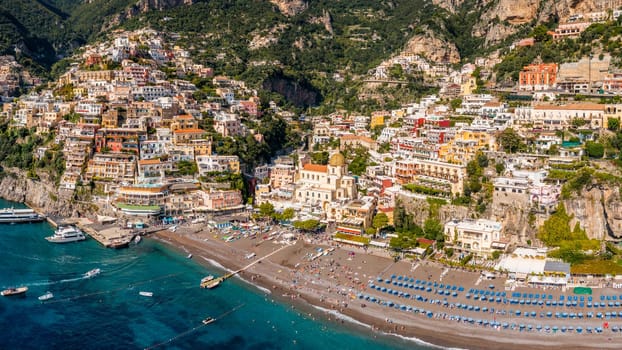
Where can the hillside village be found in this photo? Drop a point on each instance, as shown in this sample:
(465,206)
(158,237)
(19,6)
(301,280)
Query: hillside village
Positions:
(469,173)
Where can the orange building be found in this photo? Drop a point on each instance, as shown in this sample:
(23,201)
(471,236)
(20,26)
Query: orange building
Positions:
(536,77)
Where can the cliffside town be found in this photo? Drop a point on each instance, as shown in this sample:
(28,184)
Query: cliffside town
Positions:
(474,170)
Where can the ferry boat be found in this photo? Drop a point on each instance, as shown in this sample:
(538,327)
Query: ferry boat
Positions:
(12,216)
(92,273)
(66,234)
(208,320)
(14,291)
(46,296)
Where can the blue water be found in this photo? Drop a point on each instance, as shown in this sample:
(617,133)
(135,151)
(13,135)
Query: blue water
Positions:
(106,312)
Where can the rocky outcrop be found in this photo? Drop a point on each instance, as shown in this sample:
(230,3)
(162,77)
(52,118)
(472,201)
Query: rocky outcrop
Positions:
(299,93)
(420,209)
(450,5)
(290,7)
(503,18)
(15,186)
(433,48)
(598,209)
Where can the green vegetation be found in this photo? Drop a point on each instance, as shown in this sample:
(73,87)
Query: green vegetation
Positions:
(310,225)
(425,190)
(511,141)
(353,238)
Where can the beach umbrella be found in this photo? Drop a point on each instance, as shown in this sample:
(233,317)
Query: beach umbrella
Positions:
(579,329)
(387,281)
(539,327)
(589,298)
(393,276)
(517,312)
(549,314)
(505,325)
(615,329)
(610,304)
(564,329)
(620,314)
(533,314)
(379,279)
(454,294)
(412,280)
(602,305)
(399,278)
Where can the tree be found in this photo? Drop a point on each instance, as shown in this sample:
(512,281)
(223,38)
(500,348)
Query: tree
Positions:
(613,124)
(455,103)
(511,141)
(500,168)
(380,221)
(540,33)
(307,225)
(433,229)
(595,149)
(370,231)
(266,210)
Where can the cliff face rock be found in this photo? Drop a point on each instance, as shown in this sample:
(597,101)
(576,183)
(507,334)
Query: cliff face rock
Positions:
(290,7)
(598,210)
(503,18)
(15,186)
(299,93)
(450,5)
(433,48)
(420,208)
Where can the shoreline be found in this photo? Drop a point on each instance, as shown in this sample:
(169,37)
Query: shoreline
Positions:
(429,332)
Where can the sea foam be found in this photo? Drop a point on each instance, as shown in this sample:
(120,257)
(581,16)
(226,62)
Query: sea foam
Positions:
(359,323)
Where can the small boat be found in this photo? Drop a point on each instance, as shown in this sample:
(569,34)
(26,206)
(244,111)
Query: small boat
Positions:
(213,283)
(207,279)
(146,294)
(137,239)
(46,296)
(92,273)
(189,256)
(209,320)
(14,291)
(120,243)
(250,256)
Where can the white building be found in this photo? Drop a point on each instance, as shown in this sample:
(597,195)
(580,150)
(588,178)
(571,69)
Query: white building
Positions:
(478,237)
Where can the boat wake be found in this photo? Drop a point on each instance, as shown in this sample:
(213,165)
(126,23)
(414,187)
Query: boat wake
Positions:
(49,283)
(349,319)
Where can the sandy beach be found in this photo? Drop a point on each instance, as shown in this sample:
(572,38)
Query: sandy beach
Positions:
(336,278)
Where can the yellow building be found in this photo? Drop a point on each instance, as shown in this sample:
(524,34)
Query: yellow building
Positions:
(377,119)
(468,86)
(463,147)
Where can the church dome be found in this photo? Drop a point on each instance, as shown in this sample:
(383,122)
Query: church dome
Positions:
(337,159)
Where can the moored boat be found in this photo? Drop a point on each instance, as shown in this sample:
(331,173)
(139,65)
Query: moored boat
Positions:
(211,283)
(12,216)
(46,296)
(14,291)
(66,234)
(189,256)
(92,273)
(208,320)
(137,239)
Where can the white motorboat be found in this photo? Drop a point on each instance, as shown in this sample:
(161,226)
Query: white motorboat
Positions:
(66,234)
(92,273)
(189,256)
(46,296)
(137,239)
(146,294)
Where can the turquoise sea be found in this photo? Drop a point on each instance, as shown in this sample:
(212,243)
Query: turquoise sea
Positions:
(106,312)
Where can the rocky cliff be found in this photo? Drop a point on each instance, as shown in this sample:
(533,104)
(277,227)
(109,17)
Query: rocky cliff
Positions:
(290,7)
(502,18)
(15,186)
(598,209)
(432,47)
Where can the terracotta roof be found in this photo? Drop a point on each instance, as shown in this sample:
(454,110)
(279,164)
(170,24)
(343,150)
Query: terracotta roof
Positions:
(316,167)
(189,131)
(573,107)
(149,161)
